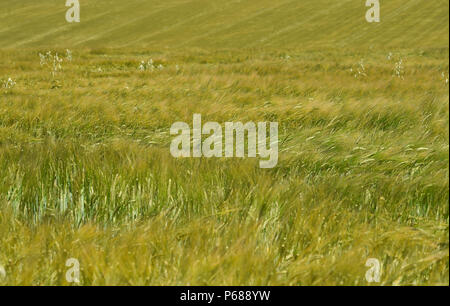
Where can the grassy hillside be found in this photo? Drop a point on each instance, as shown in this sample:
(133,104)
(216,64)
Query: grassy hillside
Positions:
(224,24)
(363,171)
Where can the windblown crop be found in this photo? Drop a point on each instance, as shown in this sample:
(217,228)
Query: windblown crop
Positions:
(363,170)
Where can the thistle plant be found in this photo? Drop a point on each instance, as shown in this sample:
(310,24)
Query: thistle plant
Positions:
(444,77)
(399,70)
(8,84)
(2,272)
(68,55)
(149,66)
(53,61)
(360,71)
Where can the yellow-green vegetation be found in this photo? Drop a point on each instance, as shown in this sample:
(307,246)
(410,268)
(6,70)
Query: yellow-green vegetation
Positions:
(363,171)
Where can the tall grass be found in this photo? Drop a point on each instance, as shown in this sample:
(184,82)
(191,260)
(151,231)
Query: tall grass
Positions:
(86,172)
(363,173)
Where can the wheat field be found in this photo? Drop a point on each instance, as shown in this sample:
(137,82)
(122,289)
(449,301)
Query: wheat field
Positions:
(86,172)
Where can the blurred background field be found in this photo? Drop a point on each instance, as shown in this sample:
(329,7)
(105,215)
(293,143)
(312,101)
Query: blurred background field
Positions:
(86,172)
(216,24)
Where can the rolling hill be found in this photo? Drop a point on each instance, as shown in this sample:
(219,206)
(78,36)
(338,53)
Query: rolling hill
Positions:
(224,24)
